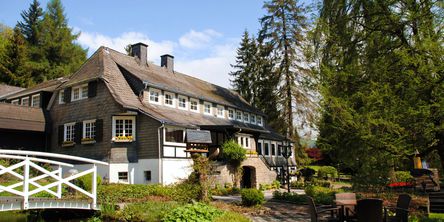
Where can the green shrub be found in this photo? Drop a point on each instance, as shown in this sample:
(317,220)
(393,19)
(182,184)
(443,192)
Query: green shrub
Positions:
(252,197)
(231,217)
(290,197)
(198,212)
(85,182)
(327,172)
(321,195)
(403,176)
(233,152)
(321,183)
(297,185)
(276,184)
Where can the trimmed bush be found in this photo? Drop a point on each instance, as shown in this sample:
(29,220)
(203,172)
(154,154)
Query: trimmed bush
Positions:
(403,176)
(290,197)
(198,212)
(233,152)
(252,197)
(327,172)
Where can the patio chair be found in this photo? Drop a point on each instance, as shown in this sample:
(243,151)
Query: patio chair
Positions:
(315,212)
(401,210)
(369,210)
(348,200)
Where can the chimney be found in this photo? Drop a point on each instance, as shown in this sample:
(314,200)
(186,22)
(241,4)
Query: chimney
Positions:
(140,50)
(167,61)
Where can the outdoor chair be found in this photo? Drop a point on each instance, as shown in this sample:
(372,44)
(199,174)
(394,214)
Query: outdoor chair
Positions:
(401,210)
(348,200)
(315,212)
(369,210)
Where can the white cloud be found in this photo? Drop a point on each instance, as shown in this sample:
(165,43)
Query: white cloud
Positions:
(198,40)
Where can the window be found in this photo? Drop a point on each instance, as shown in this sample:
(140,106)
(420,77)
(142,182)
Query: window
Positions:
(147,175)
(220,111)
(61,97)
(267,151)
(238,115)
(183,102)
(15,102)
(207,108)
(123,176)
(79,92)
(169,99)
(246,117)
(194,105)
(124,128)
(69,134)
(174,135)
(89,129)
(273,149)
(35,101)
(154,96)
(230,114)
(253,119)
(279,150)
(25,101)
(259,120)
(242,141)
(247,142)
(259,148)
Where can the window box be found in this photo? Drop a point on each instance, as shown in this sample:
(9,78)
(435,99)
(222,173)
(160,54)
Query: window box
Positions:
(88,141)
(123,139)
(68,143)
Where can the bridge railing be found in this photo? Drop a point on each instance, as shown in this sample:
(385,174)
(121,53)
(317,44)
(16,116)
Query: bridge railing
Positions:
(28,160)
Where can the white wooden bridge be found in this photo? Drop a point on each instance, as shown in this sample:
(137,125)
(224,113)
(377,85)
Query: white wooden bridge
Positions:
(21,194)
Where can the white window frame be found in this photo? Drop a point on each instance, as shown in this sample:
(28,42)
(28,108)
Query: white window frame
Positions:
(234,114)
(253,119)
(15,102)
(133,118)
(260,121)
(84,128)
(24,98)
(174,143)
(81,89)
(159,97)
(172,99)
(246,117)
(186,102)
(33,99)
(65,127)
(241,119)
(205,108)
(61,97)
(197,105)
(123,181)
(220,108)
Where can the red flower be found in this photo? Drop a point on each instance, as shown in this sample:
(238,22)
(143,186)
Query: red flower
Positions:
(401,184)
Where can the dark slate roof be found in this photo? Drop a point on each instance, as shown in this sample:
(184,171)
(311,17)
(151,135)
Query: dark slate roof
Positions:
(6,90)
(198,136)
(21,118)
(272,135)
(47,86)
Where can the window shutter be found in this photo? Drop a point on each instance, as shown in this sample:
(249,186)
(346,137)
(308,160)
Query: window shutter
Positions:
(61,132)
(78,133)
(92,89)
(67,95)
(99,130)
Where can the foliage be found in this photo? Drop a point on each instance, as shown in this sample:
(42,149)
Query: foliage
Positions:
(403,176)
(85,182)
(321,183)
(321,195)
(233,152)
(327,172)
(297,184)
(146,211)
(229,216)
(290,197)
(275,185)
(225,191)
(314,153)
(252,197)
(307,173)
(199,177)
(198,212)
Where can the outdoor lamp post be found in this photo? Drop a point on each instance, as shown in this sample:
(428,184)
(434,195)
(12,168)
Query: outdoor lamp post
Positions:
(286,153)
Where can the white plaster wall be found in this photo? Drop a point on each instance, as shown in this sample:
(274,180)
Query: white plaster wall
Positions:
(175,170)
(146,165)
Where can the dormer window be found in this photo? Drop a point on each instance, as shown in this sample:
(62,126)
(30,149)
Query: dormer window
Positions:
(25,101)
(154,96)
(79,92)
(194,105)
(220,111)
(35,101)
(246,117)
(207,108)
(253,119)
(169,99)
(230,114)
(61,96)
(238,115)
(183,101)
(259,120)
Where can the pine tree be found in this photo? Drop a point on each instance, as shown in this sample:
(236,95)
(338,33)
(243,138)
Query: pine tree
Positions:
(30,27)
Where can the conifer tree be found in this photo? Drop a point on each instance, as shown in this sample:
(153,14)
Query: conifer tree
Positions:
(30,26)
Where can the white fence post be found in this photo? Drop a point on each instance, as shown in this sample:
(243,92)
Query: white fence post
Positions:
(59,187)
(94,187)
(26,184)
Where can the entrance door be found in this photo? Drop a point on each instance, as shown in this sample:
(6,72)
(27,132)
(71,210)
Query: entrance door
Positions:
(248,177)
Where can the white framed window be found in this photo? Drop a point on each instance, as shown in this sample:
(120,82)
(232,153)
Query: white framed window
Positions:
(154,96)
(207,108)
(174,136)
(168,99)
(79,92)
(69,132)
(15,102)
(246,117)
(124,128)
(244,141)
(253,119)
(230,113)
(89,129)
(220,111)
(35,101)
(238,115)
(259,120)
(25,101)
(123,177)
(194,105)
(183,102)
(61,96)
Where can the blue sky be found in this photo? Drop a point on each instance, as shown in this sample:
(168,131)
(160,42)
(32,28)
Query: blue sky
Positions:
(202,35)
